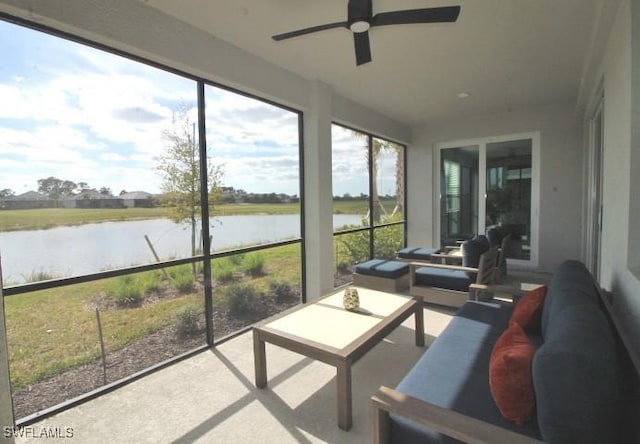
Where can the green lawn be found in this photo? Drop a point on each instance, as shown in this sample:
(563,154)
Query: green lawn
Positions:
(55,330)
(51,217)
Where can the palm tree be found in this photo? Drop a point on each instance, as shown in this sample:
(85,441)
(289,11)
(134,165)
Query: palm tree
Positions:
(379,146)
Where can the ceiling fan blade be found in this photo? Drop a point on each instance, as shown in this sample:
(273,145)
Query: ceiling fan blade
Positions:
(363,49)
(288,35)
(428,15)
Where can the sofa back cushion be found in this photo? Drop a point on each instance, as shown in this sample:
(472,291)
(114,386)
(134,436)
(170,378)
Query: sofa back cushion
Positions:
(570,284)
(575,377)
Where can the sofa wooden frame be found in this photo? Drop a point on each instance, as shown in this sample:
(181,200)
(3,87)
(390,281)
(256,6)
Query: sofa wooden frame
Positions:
(485,275)
(466,428)
(448,422)
(459,426)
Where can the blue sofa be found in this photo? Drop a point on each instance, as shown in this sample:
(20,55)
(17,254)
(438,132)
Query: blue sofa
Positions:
(576,375)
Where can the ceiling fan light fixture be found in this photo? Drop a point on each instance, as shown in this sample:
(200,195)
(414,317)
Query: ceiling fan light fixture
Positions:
(359,26)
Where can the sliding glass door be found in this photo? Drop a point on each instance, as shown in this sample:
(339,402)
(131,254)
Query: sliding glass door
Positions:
(491,184)
(459,192)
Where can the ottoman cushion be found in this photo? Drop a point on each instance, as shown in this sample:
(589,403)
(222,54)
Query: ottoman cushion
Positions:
(383,268)
(417,253)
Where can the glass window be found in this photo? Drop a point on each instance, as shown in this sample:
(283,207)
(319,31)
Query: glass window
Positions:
(83,132)
(255,148)
(388,175)
(508,203)
(368,196)
(100,170)
(459,193)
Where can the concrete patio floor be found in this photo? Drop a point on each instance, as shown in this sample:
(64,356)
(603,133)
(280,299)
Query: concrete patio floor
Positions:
(211,397)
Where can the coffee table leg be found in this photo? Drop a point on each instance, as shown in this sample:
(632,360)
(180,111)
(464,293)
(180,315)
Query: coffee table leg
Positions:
(419,315)
(344,395)
(260,360)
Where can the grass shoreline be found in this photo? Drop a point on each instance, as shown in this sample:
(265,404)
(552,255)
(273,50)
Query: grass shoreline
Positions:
(38,219)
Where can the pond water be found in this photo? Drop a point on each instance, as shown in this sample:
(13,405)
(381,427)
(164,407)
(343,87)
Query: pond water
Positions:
(89,248)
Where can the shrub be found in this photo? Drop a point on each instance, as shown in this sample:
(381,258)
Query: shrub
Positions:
(182,278)
(344,267)
(237,259)
(149,281)
(186,320)
(125,290)
(387,241)
(254,264)
(223,270)
(183,282)
(355,246)
(282,291)
(242,300)
(37,276)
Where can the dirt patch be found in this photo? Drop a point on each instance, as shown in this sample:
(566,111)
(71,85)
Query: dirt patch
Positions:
(139,355)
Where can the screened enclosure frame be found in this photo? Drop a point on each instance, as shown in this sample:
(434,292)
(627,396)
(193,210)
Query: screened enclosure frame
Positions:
(372,227)
(205,258)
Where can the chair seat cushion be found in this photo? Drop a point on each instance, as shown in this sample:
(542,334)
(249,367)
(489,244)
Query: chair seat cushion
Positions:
(417,253)
(443,278)
(383,268)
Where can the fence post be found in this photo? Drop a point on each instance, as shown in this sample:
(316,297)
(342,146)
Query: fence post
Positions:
(104,358)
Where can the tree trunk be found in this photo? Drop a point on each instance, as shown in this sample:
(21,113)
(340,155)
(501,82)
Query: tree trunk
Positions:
(193,242)
(375,199)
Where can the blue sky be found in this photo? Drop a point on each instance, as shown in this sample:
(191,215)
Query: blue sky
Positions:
(85,115)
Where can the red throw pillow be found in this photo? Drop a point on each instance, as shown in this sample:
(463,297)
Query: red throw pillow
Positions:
(528,310)
(510,377)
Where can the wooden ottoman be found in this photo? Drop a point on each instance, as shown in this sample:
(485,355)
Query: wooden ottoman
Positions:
(383,275)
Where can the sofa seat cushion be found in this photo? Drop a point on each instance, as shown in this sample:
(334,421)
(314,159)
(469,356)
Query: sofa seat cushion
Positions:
(417,253)
(383,268)
(454,373)
(443,278)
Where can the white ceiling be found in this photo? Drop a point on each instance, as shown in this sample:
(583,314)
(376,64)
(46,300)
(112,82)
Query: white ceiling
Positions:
(507,54)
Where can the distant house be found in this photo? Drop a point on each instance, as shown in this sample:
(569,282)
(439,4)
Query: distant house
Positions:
(138,199)
(92,199)
(26,201)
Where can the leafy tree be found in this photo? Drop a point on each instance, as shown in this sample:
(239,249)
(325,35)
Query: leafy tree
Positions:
(179,167)
(83,186)
(7,193)
(105,191)
(55,188)
(67,187)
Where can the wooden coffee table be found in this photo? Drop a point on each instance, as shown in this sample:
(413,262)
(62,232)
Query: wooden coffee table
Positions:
(325,331)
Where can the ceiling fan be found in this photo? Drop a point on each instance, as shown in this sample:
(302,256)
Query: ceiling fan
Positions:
(360,18)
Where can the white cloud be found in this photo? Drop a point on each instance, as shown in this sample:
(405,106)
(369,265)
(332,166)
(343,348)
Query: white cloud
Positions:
(86,115)
(113,157)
